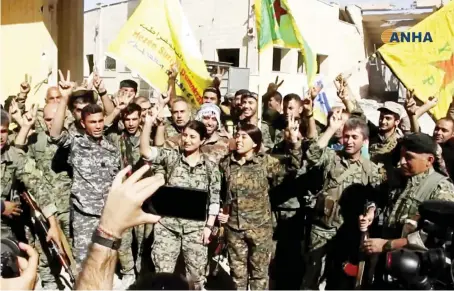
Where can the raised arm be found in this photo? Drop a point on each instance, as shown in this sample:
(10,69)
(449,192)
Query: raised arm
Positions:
(28,120)
(122,100)
(171,83)
(308,114)
(98,83)
(341,85)
(66,89)
(412,110)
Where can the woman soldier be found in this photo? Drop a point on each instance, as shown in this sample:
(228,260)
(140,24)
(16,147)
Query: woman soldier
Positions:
(192,169)
(217,144)
(247,173)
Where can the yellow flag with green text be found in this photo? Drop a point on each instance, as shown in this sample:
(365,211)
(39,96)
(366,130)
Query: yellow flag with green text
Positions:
(156,37)
(423,58)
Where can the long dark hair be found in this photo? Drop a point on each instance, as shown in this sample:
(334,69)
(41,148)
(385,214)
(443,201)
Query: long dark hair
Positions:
(254,132)
(199,127)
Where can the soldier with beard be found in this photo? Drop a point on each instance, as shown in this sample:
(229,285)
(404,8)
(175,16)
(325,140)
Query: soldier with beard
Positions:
(382,145)
(128,141)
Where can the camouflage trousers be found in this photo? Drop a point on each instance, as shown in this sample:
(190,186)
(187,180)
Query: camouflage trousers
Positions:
(166,249)
(253,248)
(125,255)
(83,226)
(64,219)
(142,232)
(125,252)
(48,272)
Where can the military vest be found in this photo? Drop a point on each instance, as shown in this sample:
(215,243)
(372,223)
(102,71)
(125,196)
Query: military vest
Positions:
(327,206)
(405,210)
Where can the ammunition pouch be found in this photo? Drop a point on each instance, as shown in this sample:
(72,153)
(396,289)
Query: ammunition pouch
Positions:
(327,209)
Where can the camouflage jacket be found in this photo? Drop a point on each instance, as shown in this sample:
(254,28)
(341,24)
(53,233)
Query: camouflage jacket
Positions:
(247,186)
(52,161)
(95,165)
(339,174)
(381,148)
(205,175)
(40,125)
(171,129)
(404,200)
(15,168)
(215,148)
(128,146)
(270,141)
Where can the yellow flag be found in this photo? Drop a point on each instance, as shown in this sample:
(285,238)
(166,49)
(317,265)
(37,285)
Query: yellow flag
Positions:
(423,58)
(156,37)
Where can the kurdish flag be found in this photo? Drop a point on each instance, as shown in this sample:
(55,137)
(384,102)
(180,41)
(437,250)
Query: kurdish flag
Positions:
(276,25)
(427,67)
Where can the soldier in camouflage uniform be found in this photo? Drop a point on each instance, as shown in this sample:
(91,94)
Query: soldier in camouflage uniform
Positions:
(190,169)
(216,145)
(52,96)
(382,145)
(95,163)
(16,168)
(52,162)
(181,114)
(288,213)
(127,140)
(341,170)
(419,183)
(249,105)
(247,174)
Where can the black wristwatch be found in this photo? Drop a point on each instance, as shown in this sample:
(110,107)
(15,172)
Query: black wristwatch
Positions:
(387,247)
(107,242)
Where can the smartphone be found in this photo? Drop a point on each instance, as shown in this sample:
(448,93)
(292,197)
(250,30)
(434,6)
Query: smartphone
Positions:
(179,202)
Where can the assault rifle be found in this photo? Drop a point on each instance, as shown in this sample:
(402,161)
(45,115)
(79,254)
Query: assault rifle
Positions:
(42,227)
(219,236)
(358,270)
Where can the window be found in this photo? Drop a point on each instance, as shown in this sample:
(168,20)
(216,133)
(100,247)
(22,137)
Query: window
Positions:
(300,68)
(111,64)
(344,16)
(280,60)
(231,56)
(144,89)
(277,59)
(91,63)
(320,60)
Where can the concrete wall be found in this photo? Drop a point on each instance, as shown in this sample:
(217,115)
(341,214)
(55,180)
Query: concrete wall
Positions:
(107,21)
(223,24)
(38,37)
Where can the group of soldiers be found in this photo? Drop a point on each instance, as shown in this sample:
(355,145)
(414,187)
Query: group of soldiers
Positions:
(292,195)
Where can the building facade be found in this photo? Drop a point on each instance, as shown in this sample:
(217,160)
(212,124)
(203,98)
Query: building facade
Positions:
(342,36)
(38,38)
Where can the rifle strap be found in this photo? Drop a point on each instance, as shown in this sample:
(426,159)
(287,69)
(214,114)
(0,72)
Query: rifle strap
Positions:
(428,185)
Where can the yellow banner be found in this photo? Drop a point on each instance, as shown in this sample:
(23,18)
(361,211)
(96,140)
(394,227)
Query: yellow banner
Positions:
(156,37)
(423,58)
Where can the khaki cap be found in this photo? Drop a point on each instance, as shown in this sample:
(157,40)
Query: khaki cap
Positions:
(392,107)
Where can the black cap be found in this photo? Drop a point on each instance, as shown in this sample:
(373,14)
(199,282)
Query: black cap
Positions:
(420,143)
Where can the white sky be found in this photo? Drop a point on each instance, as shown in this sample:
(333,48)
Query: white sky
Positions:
(90,4)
